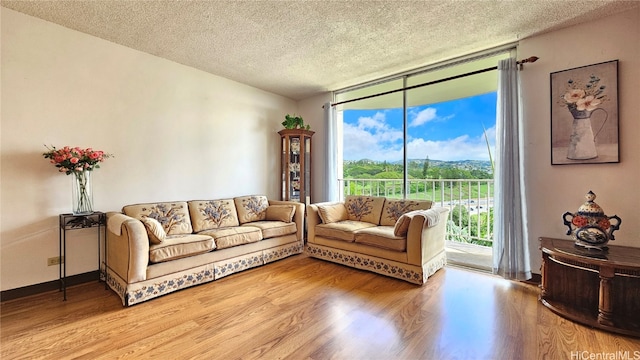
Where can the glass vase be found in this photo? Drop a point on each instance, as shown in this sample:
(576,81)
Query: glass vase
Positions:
(82,193)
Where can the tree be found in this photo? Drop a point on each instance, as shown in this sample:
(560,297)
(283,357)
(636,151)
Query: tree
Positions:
(425,167)
(460,215)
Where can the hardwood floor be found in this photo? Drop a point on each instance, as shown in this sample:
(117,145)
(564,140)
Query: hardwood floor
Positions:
(303,308)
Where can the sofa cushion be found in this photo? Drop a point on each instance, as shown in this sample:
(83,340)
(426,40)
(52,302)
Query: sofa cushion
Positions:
(332,213)
(174,216)
(382,237)
(234,236)
(342,230)
(180,246)
(364,208)
(282,213)
(155,231)
(394,208)
(212,214)
(251,208)
(274,228)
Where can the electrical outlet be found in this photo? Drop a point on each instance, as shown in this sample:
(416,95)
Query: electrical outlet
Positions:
(55,260)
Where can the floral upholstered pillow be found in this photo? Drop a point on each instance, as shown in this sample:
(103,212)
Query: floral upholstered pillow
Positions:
(364,208)
(393,209)
(174,216)
(251,208)
(213,214)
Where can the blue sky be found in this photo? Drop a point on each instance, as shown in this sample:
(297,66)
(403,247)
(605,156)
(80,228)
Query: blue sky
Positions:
(448,131)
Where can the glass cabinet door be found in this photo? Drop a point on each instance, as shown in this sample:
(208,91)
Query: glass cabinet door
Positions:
(307,170)
(296,165)
(294,168)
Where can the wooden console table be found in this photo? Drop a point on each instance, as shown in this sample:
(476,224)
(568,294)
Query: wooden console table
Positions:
(596,288)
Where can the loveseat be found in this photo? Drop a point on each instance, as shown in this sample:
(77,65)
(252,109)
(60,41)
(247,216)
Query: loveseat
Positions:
(403,239)
(154,249)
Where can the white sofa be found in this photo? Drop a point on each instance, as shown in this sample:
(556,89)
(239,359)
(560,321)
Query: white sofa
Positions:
(403,239)
(154,249)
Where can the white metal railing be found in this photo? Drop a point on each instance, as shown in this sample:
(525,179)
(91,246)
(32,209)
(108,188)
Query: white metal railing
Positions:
(470,201)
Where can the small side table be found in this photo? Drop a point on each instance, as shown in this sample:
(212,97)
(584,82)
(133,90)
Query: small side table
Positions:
(74,222)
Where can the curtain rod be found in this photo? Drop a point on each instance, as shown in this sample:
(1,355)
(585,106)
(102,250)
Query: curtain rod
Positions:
(531,59)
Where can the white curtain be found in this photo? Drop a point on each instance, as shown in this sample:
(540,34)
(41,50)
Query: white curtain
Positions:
(331,155)
(511,245)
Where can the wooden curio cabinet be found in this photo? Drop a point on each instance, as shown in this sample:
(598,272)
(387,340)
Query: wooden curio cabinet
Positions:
(296,165)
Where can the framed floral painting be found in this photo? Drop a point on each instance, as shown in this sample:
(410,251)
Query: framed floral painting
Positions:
(584,115)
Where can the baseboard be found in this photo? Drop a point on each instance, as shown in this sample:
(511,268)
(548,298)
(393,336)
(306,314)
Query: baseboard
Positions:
(48,286)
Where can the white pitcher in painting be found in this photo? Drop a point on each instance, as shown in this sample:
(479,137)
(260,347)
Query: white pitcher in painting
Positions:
(582,143)
(582,101)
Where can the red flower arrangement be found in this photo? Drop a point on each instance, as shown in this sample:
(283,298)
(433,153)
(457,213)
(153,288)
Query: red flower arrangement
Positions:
(74,160)
(78,162)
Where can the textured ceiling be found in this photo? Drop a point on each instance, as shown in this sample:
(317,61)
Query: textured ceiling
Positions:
(301,48)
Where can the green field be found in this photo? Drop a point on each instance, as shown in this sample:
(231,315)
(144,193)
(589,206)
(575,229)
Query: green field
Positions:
(440,191)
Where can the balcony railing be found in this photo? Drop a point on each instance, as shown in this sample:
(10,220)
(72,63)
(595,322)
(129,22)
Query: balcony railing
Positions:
(470,201)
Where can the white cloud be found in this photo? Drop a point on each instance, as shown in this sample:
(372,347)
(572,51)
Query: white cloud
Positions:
(460,148)
(376,122)
(426,115)
(372,138)
(423,117)
(463,147)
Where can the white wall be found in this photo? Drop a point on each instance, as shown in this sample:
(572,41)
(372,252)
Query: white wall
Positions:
(177,134)
(553,190)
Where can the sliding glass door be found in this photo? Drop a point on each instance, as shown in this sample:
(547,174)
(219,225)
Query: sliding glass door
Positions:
(432,142)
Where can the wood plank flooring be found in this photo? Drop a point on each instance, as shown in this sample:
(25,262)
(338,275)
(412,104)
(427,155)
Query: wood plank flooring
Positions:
(303,308)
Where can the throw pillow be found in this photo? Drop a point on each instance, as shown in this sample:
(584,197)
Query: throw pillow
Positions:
(402,225)
(212,214)
(332,213)
(154,230)
(174,216)
(364,208)
(282,213)
(251,208)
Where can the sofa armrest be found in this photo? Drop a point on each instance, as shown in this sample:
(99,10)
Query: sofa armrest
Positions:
(127,247)
(298,216)
(313,219)
(426,235)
